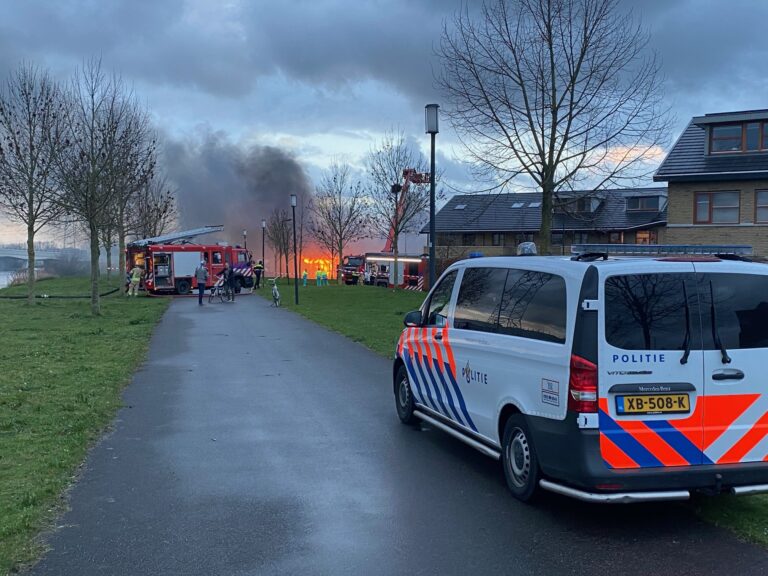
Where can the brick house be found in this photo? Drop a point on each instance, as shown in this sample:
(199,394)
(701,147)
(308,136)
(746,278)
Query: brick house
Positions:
(717,175)
(494,224)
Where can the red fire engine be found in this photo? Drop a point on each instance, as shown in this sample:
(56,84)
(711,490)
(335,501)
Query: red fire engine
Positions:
(352,269)
(411,268)
(169,261)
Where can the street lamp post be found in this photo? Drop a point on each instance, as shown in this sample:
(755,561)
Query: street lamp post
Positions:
(430,124)
(295,253)
(263,234)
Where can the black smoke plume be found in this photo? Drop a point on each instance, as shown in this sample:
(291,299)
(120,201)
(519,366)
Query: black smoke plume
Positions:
(220,182)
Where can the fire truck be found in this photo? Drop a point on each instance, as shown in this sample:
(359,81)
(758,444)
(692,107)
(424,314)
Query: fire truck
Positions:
(352,269)
(169,261)
(411,268)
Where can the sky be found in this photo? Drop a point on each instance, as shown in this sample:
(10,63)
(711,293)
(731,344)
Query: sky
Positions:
(307,82)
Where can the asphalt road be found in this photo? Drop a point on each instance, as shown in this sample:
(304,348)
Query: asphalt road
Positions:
(254,442)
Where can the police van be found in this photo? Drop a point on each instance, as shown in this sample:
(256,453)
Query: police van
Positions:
(607,379)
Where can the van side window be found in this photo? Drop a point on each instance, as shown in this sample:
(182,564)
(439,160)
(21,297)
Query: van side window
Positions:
(647,311)
(741,309)
(479,301)
(534,305)
(217,257)
(437,310)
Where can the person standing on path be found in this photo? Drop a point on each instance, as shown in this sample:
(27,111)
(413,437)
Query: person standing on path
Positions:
(318,276)
(304,277)
(201,274)
(136,274)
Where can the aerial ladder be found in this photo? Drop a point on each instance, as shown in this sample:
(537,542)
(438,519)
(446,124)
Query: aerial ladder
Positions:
(410,176)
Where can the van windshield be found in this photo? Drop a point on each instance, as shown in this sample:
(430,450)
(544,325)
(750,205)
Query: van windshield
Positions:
(648,311)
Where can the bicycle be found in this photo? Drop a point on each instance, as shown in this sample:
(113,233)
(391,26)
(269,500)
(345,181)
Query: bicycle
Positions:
(222,290)
(275,293)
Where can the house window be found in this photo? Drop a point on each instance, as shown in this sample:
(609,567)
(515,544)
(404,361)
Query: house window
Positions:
(616,238)
(747,137)
(716,208)
(467,239)
(646,237)
(497,238)
(581,238)
(761,206)
(584,205)
(643,203)
(557,238)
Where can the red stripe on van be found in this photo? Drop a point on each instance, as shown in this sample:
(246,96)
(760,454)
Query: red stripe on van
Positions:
(615,456)
(747,442)
(720,412)
(652,442)
(449,351)
(691,427)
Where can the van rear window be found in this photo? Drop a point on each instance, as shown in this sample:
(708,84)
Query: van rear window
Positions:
(647,311)
(741,309)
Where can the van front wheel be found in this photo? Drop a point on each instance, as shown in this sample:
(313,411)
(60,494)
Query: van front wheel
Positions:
(404,397)
(518,458)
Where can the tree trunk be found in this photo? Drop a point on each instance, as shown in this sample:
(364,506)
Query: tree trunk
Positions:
(95,304)
(545,232)
(395,253)
(341,260)
(108,250)
(30,263)
(287,269)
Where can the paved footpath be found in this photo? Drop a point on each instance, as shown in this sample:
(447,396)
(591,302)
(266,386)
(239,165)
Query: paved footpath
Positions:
(255,442)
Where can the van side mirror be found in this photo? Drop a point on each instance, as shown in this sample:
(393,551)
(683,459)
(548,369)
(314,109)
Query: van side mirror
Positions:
(412,319)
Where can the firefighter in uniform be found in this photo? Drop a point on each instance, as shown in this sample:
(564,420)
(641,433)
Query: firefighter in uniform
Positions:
(304,277)
(136,274)
(258,270)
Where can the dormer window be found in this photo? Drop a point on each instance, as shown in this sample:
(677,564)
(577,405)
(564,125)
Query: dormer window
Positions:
(746,137)
(643,203)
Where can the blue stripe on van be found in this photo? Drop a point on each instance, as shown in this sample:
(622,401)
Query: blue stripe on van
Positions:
(428,369)
(460,397)
(447,391)
(418,393)
(627,443)
(678,441)
(432,404)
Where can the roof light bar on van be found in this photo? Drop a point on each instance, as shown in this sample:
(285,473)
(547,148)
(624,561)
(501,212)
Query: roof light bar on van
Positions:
(663,249)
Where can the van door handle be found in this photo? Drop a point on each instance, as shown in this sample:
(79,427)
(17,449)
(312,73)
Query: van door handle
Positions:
(439,336)
(728,374)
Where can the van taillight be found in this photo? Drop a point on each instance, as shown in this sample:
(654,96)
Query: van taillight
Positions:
(582,386)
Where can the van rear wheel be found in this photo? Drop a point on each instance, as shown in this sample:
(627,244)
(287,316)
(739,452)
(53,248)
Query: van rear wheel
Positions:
(519,460)
(404,397)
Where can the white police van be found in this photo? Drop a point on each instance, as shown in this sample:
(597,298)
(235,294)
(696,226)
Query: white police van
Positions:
(605,379)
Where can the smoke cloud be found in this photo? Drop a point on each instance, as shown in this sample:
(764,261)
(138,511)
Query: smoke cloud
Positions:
(221,182)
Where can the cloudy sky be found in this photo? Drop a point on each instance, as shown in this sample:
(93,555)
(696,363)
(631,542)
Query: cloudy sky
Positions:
(322,79)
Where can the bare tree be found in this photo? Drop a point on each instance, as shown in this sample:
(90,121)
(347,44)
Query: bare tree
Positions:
(395,214)
(31,112)
(339,211)
(279,234)
(153,210)
(98,111)
(561,92)
(131,171)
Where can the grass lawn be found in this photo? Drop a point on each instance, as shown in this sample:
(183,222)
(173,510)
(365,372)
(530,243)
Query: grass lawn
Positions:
(370,315)
(61,373)
(374,317)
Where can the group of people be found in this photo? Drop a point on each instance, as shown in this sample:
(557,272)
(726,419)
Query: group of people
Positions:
(321,277)
(227,277)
